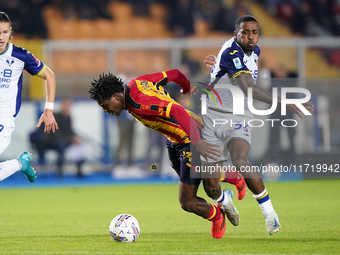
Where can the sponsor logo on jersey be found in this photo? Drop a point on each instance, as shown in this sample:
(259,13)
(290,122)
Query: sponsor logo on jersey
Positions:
(232,53)
(5,80)
(237,63)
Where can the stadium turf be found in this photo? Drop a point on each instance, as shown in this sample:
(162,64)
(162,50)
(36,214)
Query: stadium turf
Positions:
(75,220)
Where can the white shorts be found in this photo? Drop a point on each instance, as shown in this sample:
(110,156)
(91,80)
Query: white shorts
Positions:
(221,129)
(6,129)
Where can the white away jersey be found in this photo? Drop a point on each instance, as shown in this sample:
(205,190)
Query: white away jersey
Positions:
(231,61)
(12,63)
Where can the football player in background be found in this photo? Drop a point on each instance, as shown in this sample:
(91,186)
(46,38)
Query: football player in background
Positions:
(236,64)
(13,60)
(145,98)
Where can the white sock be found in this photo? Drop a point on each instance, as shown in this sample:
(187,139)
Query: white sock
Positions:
(222,199)
(8,168)
(265,206)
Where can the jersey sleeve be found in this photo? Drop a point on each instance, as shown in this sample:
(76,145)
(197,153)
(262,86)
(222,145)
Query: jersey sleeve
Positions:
(186,122)
(155,103)
(162,78)
(178,77)
(154,77)
(232,62)
(33,65)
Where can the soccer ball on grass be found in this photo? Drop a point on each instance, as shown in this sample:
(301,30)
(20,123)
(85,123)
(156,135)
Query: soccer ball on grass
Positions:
(124,228)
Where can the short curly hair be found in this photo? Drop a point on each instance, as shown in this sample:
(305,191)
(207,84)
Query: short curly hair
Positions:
(242,19)
(105,87)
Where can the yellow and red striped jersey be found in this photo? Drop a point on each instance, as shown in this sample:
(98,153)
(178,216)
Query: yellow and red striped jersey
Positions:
(152,106)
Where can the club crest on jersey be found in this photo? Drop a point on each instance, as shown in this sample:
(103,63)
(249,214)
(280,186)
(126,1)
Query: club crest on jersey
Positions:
(10,62)
(237,63)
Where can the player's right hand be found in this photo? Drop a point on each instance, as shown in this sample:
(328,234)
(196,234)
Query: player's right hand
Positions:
(210,61)
(48,119)
(193,91)
(294,108)
(208,150)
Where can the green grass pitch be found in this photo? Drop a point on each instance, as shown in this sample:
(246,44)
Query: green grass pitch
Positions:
(75,220)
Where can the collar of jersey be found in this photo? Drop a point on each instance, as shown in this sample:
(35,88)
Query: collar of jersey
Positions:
(2,53)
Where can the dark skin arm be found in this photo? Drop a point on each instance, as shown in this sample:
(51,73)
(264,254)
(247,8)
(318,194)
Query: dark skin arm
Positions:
(245,80)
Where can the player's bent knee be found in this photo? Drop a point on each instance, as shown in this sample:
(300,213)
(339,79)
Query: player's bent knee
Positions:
(212,192)
(239,162)
(187,205)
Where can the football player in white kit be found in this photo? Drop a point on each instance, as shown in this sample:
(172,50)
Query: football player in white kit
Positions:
(13,60)
(236,64)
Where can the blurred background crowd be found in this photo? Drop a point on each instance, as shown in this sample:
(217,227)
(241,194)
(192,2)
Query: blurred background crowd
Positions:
(79,39)
(308,18)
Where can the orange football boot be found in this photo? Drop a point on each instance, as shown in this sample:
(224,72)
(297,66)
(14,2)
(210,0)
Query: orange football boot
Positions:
(241,188)
(218,226)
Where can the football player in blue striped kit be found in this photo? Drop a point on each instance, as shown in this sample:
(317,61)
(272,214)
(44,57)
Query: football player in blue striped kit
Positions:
(13,60)
(236,64)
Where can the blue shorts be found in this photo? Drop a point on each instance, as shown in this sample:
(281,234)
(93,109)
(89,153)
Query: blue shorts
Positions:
(183,158)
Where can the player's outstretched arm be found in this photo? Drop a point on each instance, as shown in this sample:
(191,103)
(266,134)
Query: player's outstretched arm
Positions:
(244,80)
(178,77)
(47,117)
(295,109)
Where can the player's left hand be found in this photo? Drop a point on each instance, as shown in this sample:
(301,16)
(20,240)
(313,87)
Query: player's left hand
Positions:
(294,108)
(50,123)
(193,91)
(210,60)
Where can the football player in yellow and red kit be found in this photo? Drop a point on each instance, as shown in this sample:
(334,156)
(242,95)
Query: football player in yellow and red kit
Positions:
(145,98)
